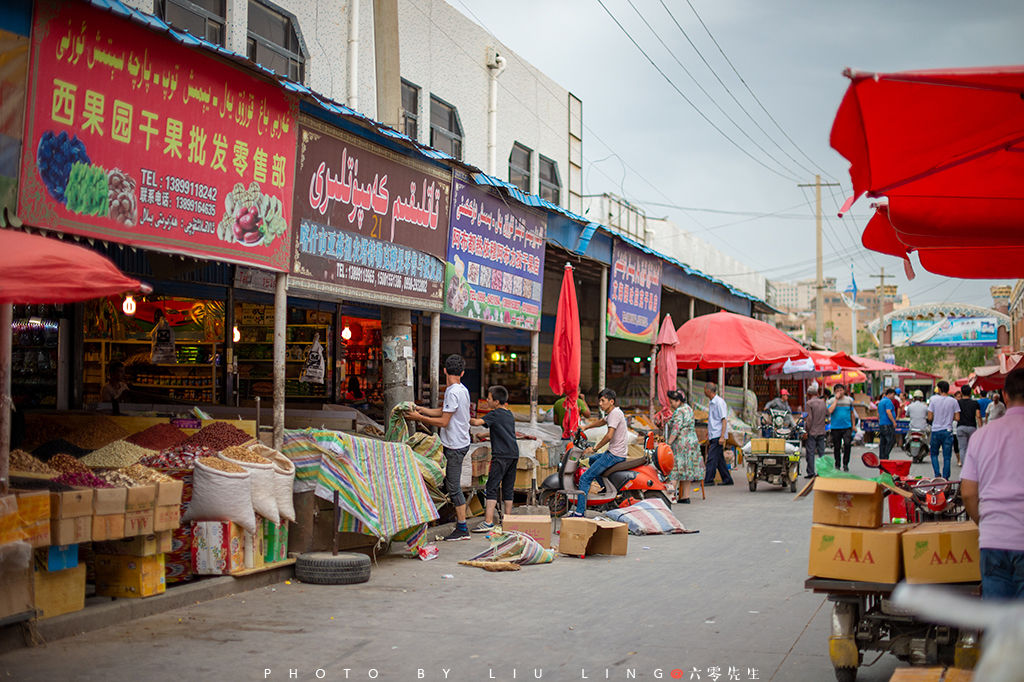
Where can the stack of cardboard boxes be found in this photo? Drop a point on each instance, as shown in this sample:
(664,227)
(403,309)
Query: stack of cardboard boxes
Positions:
(225,548)
(849,541)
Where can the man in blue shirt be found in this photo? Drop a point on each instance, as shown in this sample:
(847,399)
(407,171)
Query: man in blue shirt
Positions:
(886,423)
(842,417)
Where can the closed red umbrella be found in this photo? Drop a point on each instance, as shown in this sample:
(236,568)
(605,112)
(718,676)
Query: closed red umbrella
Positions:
(667,368)
(730,340)
(565,354)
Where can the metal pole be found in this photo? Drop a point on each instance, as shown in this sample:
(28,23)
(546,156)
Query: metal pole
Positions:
(435,357)
(746,382)
(819,308)
(534,374)
(653,383)
(6,318)
(280,325)
(602,336)
(689,372)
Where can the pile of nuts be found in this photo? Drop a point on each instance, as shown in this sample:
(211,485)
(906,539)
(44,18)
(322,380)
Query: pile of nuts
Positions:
(67,464)
(179,457)
(220,465)
(23,461)
(241,454)
(97,433)
(117,478)
(218,436)
(118,454)
(145,475)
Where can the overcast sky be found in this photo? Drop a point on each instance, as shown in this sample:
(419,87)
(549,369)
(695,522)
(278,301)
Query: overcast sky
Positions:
(642,140)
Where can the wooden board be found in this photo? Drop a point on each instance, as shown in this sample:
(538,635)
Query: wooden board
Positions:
(264,567)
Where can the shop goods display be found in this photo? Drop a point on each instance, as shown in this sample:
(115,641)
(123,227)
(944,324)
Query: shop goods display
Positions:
(23,461)
(82,479)
(324,568)
(284,485)
(158,437)
(218,436)
(67,464)
(180,456)
(118,454)
(96,432)
(145,475)
(264,498)
(58,446)
(116,477)
(221,491)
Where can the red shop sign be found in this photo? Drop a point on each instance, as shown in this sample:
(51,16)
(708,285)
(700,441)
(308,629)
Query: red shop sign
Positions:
(132,138)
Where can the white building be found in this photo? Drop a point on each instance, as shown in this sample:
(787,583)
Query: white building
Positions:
(447,62)
(796,295)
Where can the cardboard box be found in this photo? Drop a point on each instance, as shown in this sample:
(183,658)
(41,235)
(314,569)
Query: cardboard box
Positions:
(57,557)
(847,502)
(139,522)
(943,552)
(17,591)
(218,548)
(524,478)
(776,446)
(129,576)
(591,536)
(275,541)
(141,545)
(34,512)
(71,504)
(168,493)
(758,446)
(253,548)
(846,553)
(167,518)
(931,675)
(71,531)
(537,527)
(59,592)
(109,501)
(140,498)
(108,527)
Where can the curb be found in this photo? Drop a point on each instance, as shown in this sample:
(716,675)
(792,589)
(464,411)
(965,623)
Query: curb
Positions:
(117,611)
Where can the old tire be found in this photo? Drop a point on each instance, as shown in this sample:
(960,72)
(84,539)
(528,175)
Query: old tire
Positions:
(792,485)
(846,674)
(324,568)
(752,485)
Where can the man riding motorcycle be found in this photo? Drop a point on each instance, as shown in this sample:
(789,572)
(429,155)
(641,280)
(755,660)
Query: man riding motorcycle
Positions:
(780,403)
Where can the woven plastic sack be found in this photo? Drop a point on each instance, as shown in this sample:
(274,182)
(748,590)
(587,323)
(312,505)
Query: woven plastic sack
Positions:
(264,494)
(284,480)
(221,496)
(648,517)
(826,468)
(517,548)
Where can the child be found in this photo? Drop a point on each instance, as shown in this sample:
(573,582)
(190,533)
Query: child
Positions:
(504,455)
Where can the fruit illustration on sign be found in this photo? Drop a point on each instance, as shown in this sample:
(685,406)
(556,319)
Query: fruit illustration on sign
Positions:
(251,217)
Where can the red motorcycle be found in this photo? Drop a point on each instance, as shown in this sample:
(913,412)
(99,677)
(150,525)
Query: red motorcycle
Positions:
(925,499)
(623,484)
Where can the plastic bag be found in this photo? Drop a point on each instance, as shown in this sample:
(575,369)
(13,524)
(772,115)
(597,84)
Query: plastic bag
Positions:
(826,466)
(284,480)
(264,496)
(221,496)
(316,365)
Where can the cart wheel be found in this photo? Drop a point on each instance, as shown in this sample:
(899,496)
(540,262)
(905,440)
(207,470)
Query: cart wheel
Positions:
(753,486)
(324,568)
(792,485)
(846,674)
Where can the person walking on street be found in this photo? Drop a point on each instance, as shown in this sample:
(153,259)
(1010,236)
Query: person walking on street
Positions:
(842,418)
(718,434)
(983,402)
(886,423)
(617,440)
(992,486)
(943,410)
(816,414)
(453,420)
(504,456)
(681,436)
(996,409)
(970,420)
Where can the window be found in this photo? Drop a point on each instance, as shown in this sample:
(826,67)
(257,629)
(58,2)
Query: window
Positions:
(201,18)
(410,109)
(550,184)
(274,41)
(445,129)
(519,167)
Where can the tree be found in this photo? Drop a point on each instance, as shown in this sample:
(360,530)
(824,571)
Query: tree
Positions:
(966,359)
(865,340)
(921,358)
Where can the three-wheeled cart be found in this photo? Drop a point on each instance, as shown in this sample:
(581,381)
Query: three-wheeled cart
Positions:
(864,619)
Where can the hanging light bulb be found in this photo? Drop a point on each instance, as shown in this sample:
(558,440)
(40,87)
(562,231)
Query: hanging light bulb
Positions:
(346,333)
(236,335)
(128,306)
(496,356)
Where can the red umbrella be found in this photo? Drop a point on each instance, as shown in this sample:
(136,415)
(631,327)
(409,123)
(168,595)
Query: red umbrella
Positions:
(846,377)
(41,270)
(667,367)
(565,354)
(945,149)
(730,340)
(808,368)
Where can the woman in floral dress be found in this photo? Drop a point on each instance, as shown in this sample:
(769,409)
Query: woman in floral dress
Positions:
(681,436)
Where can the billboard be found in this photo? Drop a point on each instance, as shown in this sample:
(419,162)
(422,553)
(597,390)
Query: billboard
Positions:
(132,138)
(634,294)
(947,331)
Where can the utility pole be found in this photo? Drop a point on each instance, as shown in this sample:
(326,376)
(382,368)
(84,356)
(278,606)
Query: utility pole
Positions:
(881,306)
(819,314)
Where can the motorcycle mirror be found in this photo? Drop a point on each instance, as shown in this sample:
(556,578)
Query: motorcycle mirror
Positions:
(871,460)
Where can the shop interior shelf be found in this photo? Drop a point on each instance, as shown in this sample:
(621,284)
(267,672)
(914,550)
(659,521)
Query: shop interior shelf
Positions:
(180,342)
(241,360)
(197,386)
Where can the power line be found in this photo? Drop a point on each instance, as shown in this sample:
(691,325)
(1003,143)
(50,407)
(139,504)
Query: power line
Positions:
(687,99)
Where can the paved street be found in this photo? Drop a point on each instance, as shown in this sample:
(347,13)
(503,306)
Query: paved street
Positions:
(730,596)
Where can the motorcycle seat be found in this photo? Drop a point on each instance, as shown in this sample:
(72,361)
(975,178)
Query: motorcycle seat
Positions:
(625,466)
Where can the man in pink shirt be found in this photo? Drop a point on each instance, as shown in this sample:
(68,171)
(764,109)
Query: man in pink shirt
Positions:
(992,486)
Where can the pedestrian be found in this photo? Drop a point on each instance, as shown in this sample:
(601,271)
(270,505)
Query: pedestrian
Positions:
(983,402)
(504,456)
(453,420)
(842,418)
(816,427)
(886,423)
(616,439)
(943,410)
(970,420)
(718,434)
(996,409)
(992,486)
(558,410)
(681,436)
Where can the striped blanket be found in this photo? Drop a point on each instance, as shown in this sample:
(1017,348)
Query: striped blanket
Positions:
(648,517)
(517,548)
(380,488)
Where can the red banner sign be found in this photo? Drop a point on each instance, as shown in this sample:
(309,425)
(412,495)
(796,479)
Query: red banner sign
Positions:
(134,138)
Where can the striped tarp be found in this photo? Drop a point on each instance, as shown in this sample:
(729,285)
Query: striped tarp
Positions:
(648,517)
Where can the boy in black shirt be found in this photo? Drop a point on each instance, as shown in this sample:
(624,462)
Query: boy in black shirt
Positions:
(504,455)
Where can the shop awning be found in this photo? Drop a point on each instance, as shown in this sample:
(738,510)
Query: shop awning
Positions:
(946,150)
(36,269)
(993,377)
(869,365)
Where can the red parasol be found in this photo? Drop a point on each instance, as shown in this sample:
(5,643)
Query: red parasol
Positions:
(808,368)
(730,340)
(945,149)
(565,354)
(667,368)
(37,269)
(846,377)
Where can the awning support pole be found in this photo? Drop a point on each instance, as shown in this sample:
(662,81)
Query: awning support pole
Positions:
(280,325)
(534,374)
(6,318)
(435,358)
(602,336)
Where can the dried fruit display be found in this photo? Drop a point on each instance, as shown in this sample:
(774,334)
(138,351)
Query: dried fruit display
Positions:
(116,455)
(82,479)
(218,436)
(158,437)
(241,454)
(181,456)
(221,465)
(96,433)
(67,464)
(123,206)
(23,461)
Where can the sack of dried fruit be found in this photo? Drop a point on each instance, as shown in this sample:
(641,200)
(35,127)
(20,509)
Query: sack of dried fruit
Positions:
(284,480)
(221,491)
(264,498)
